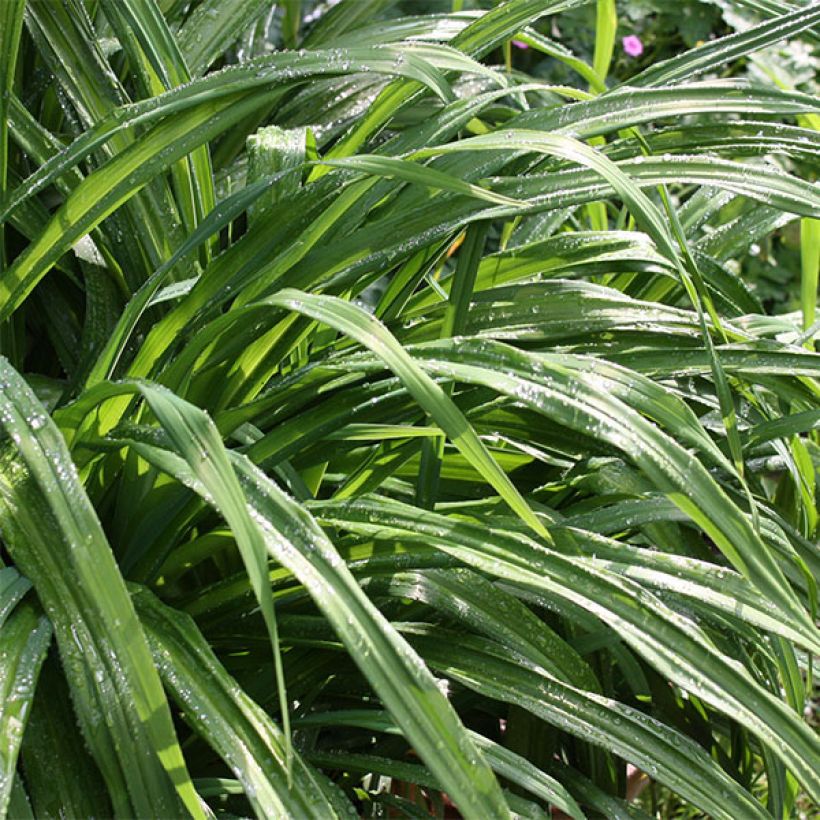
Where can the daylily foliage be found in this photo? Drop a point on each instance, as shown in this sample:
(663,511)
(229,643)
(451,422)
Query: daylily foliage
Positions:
(389,431)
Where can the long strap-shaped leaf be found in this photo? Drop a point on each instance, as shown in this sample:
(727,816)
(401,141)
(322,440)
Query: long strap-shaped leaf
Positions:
(707,587)
(424,221)
(588,395)
(237,728)
(24,640)
(370,332)
(280,69)
(576,400)
(396,673)
(129,171)
(13,587)
(212,27)
(11,24)
(55,538)
(648,215)
(508,764)
(666,755)
(672,758)
(571,149)
(611,112)
(711,55)
(75,788)
(468,597)
(393,167)
(152,50)
(196,438)
(673,644)
(481,36)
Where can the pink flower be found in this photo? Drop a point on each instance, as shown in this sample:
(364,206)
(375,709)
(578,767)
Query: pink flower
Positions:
(633,45)
(519,44)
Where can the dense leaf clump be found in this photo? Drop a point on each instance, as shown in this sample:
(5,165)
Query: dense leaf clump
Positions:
(408,409)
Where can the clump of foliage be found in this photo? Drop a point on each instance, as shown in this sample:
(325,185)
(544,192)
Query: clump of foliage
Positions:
(404,414)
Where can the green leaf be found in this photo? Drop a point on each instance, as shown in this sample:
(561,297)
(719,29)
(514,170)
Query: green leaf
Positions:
(395,672)
(24,641)
(212,27)
(369,331)
(672,643)
(55,538)
(605,27)
(236,727)
(712,55)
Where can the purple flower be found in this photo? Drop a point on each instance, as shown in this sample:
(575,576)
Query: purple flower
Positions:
(519,44)
(633,45)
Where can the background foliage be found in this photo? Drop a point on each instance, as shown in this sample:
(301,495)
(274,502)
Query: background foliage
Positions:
(408,408)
